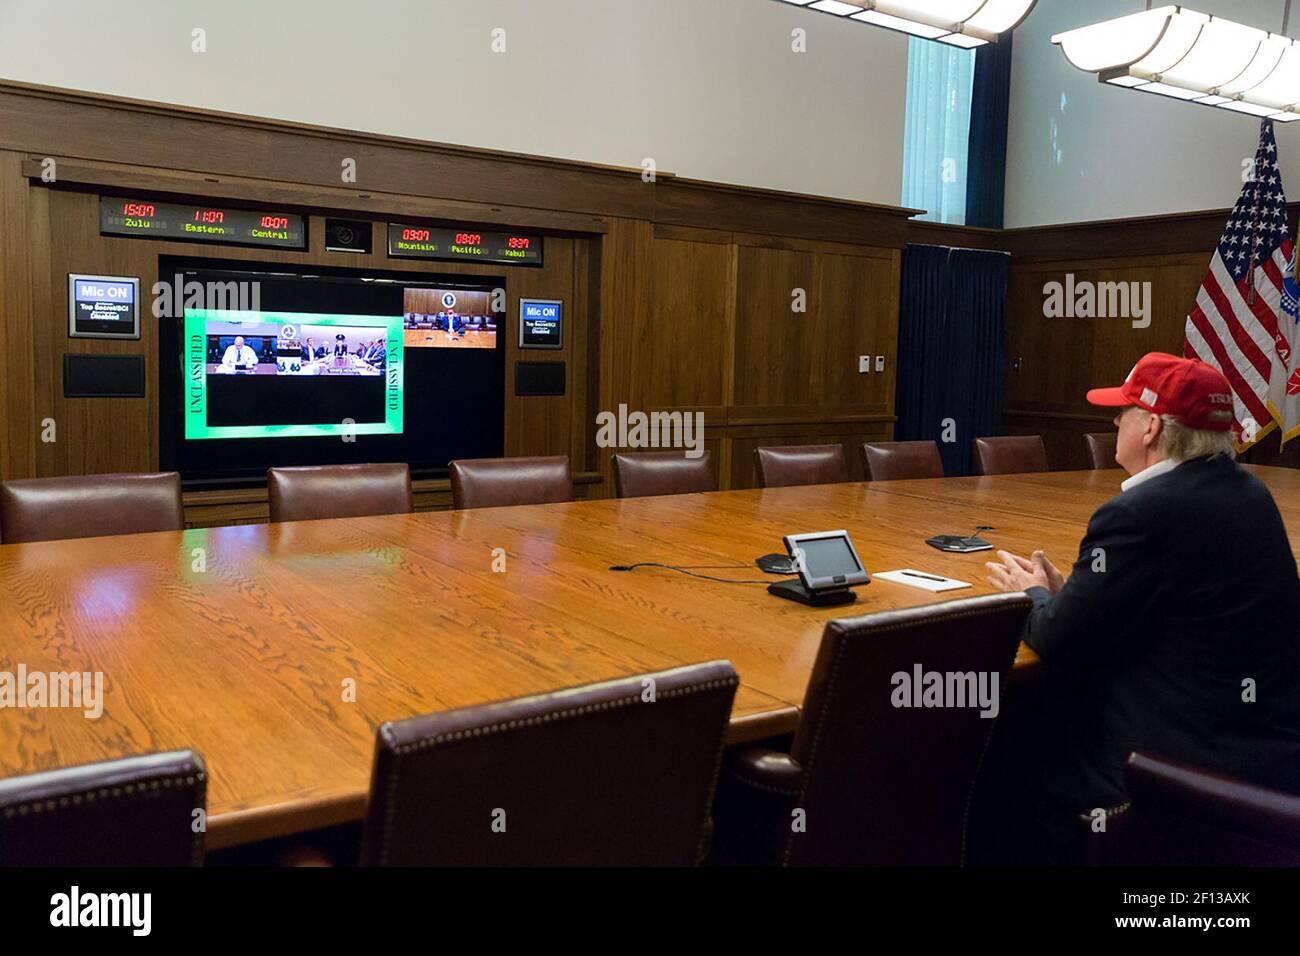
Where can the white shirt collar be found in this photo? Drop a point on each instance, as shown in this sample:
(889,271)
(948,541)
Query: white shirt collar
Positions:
(1146,474)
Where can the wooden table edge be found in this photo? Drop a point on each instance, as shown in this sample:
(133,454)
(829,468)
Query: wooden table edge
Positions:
(250,825)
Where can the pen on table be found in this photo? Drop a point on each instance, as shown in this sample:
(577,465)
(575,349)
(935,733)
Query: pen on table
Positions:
(917,574)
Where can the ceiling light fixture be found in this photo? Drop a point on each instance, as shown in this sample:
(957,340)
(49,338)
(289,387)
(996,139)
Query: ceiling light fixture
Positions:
(1176,52)
(965,23)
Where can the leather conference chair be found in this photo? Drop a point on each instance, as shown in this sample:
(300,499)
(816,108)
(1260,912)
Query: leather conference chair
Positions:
(1101,449)
(1179,815)
(137,811)
(876,784)
(785,465)
(497,482)
(1010,455)
(644,473)
(598,775)
(895,460)
(89,506)
(338,491)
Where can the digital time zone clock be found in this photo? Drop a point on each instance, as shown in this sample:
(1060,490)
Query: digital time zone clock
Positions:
(239,227)
(463,244)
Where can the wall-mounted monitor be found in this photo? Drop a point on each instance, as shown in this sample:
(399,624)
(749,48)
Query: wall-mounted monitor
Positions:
(261,374)
(309,366)
(438,318)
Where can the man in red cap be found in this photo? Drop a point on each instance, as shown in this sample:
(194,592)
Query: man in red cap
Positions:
(1178,630)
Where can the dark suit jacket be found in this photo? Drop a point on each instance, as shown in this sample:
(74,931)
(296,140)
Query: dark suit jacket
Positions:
(1185,589)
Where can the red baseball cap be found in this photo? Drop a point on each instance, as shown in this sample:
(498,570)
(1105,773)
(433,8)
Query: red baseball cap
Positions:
(1193,392)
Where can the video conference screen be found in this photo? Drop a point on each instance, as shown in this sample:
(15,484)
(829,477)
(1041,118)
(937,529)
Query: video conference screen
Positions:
(449,319)
(291,374)
(267,368)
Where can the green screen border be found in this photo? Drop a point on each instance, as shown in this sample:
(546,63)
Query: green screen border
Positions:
(195,385)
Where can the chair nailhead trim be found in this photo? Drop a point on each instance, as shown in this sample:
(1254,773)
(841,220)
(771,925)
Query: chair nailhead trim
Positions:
(407,749)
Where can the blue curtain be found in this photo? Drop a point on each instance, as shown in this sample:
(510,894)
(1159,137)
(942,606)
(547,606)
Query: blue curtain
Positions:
(936,129)
(951,349)
(990,105)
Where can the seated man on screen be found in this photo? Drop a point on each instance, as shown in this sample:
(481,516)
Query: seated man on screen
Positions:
(239,356)
(310,352)
(1178,630)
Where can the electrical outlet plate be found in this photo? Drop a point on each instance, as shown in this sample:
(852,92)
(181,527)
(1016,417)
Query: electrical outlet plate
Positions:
(864,363)
(880,363)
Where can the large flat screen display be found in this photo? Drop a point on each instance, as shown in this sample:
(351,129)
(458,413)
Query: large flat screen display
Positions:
(291,374)
(326,367)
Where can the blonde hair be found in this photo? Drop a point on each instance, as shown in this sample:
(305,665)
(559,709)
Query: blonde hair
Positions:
(1179,443)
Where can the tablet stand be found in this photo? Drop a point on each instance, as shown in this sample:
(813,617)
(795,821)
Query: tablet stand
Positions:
(795,591)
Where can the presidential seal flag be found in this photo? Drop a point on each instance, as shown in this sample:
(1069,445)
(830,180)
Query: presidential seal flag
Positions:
(1238,324)
(1284,383)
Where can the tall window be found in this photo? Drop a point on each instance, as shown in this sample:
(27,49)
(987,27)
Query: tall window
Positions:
(936,131)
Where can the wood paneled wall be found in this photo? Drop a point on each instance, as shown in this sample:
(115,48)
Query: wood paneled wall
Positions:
(1054,361)
(109,435)
(679,294)
(761,335)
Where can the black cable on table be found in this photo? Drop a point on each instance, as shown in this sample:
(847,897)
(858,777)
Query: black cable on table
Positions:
(688,570)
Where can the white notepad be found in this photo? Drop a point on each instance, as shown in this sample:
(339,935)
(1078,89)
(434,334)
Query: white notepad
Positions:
(926,581)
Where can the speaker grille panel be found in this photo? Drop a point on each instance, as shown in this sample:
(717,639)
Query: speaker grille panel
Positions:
(539,378)
(103,376)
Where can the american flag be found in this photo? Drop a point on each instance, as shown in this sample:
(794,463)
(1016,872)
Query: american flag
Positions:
(1236,322)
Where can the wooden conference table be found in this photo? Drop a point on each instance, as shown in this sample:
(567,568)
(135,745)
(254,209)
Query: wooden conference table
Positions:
(242,642)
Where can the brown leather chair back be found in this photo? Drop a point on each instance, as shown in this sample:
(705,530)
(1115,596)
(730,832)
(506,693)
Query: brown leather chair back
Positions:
(1101,449)
(496,482)
(137,811)
(338,491)
(895,460)
(889,785)
(1179,815)
(89,506)
(616,773)
(784,465)
(643,473)
(1010,455)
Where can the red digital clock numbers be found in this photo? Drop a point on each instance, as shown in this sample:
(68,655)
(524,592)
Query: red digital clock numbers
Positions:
(463,244)
(192,222)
